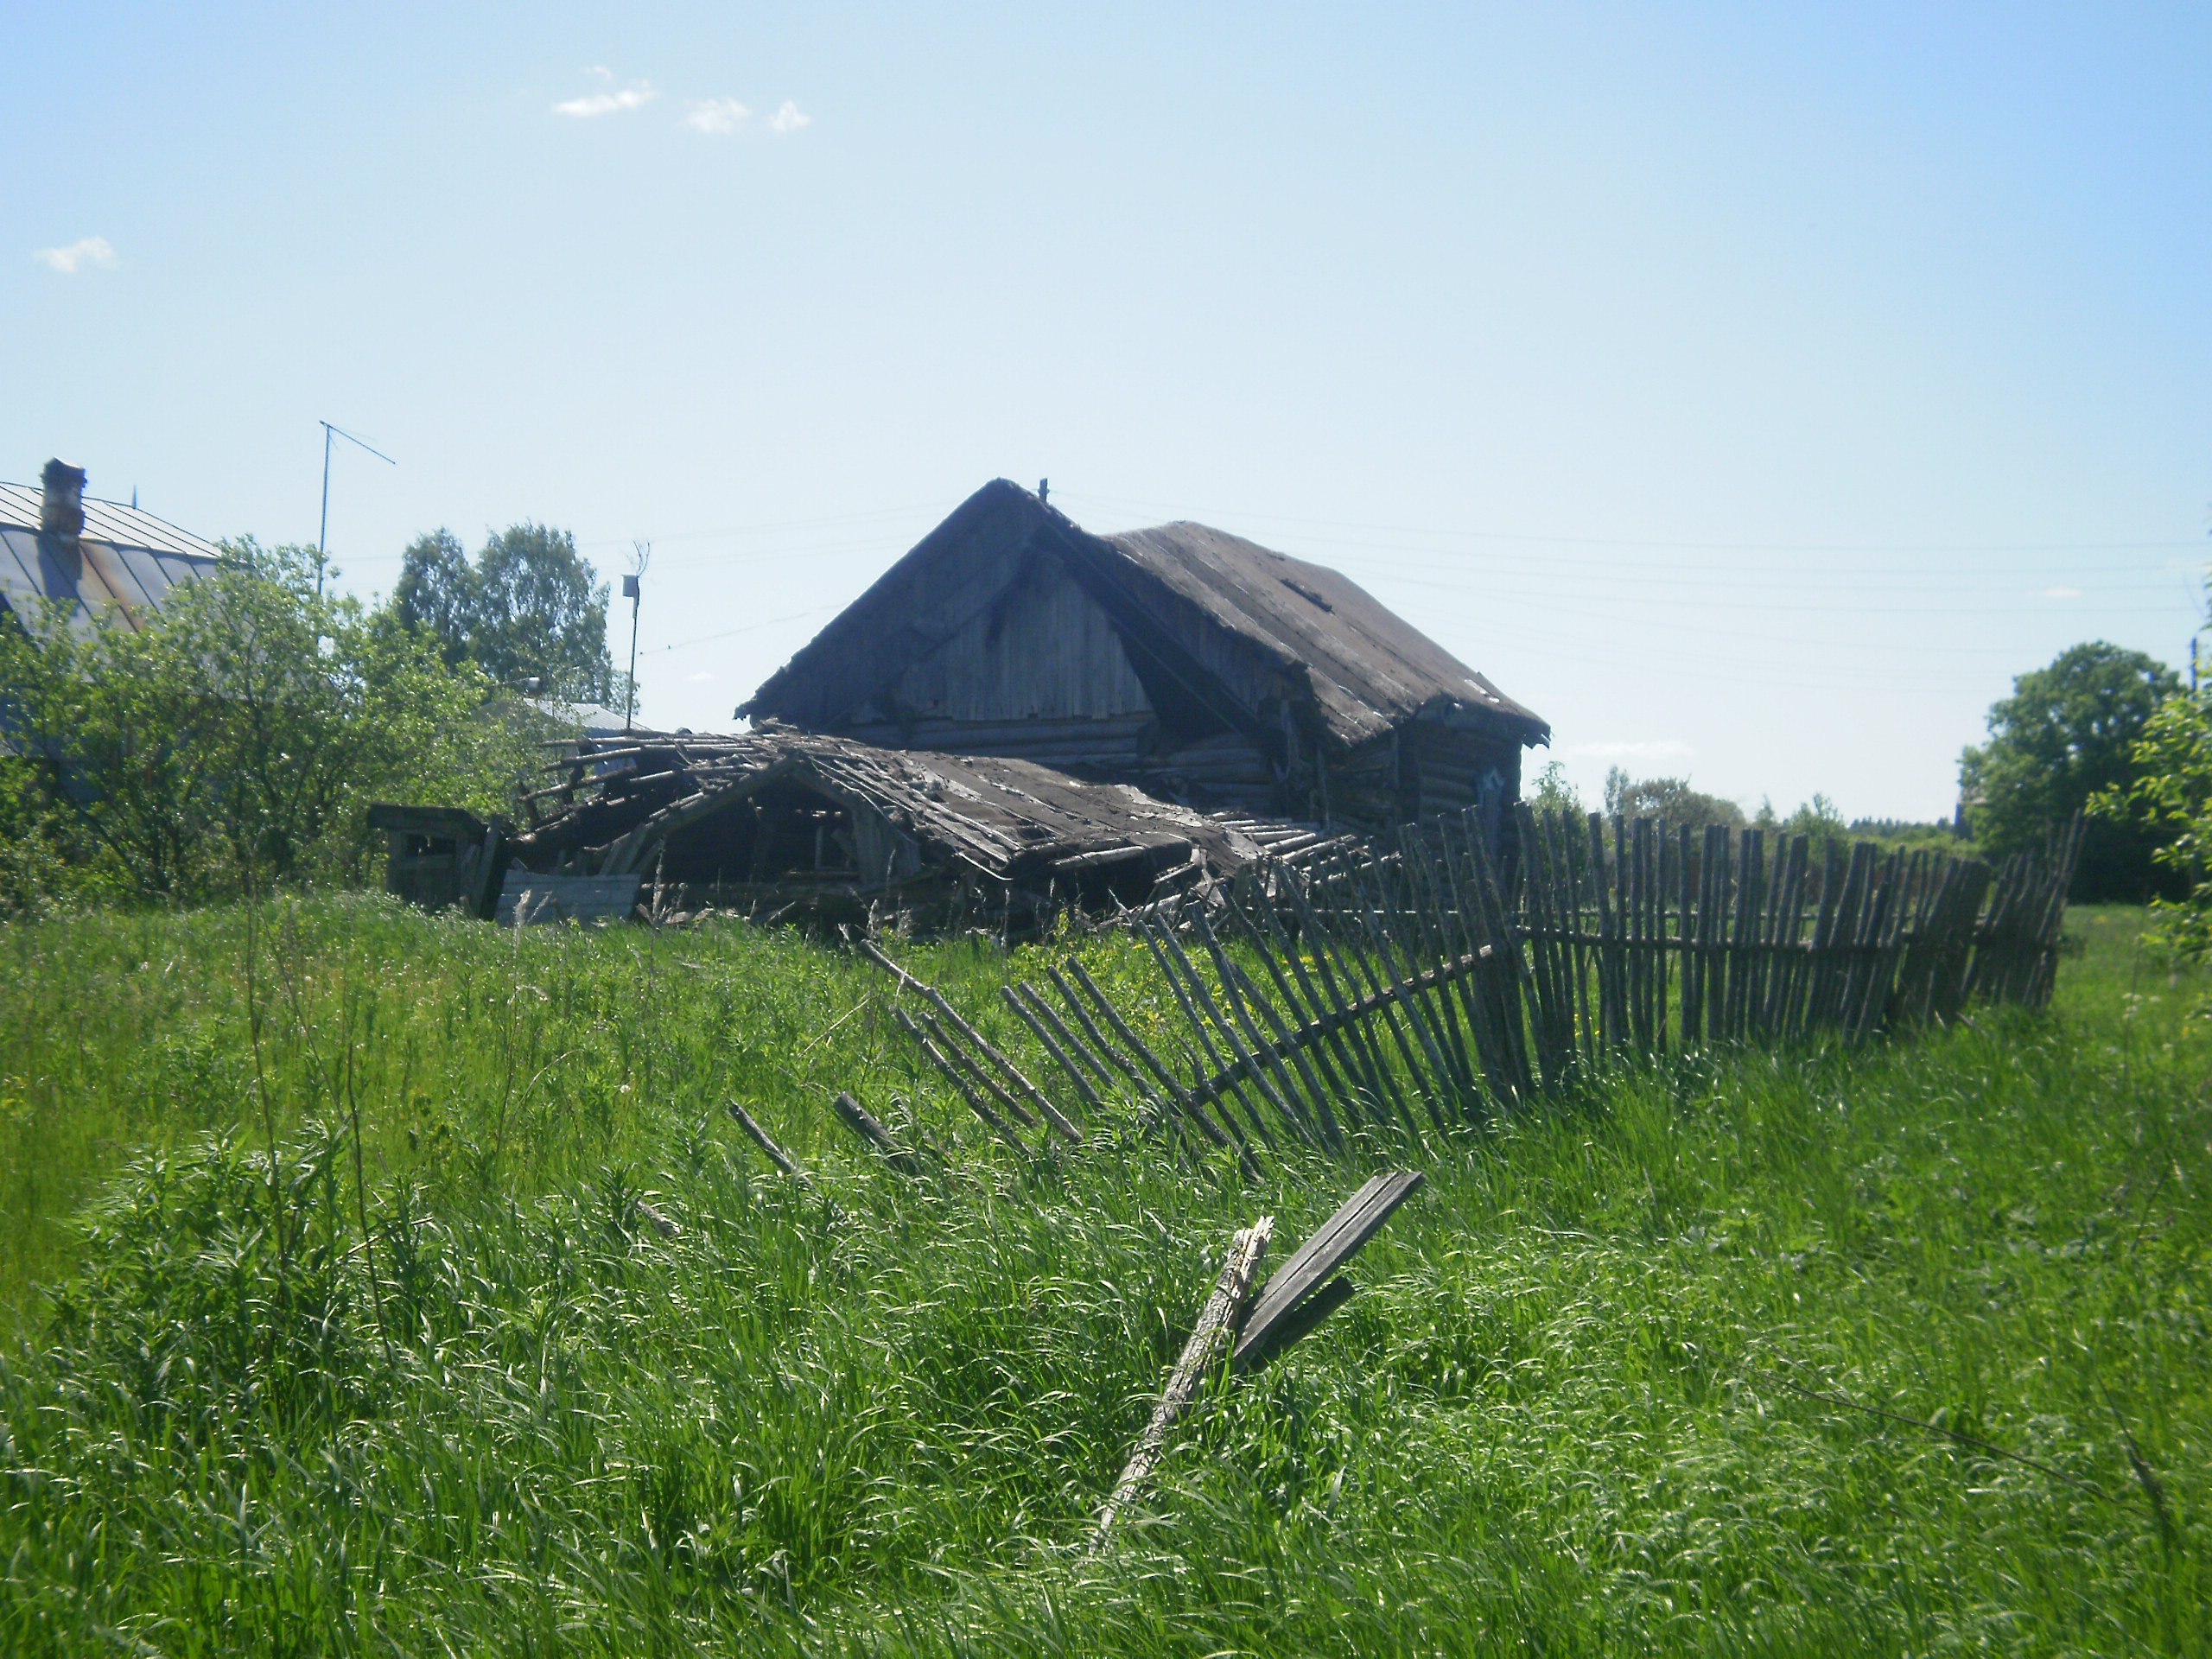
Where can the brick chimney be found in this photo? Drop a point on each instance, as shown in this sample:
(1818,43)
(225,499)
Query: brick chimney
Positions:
(61,510)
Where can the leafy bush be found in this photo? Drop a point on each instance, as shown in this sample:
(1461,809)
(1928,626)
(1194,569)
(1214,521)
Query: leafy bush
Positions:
(235,738)
(1554,792)
(2169,801)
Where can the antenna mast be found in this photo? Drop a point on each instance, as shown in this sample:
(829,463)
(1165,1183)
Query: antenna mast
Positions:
(322,535)
(641,554)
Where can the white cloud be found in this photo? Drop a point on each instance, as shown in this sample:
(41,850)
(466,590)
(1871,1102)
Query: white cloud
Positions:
(700,678)
(788,119)
(92,250)
(635,96)
(717,115)
(2060,593)
(1656,751)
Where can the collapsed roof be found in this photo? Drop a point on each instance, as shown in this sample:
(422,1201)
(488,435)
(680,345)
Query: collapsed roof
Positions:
(829,824)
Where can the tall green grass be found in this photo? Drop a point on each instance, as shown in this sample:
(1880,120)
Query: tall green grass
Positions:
(1571,1410)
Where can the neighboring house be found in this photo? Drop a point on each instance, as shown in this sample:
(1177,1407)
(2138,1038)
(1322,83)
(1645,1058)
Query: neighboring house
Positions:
(101,558)
(1203,667)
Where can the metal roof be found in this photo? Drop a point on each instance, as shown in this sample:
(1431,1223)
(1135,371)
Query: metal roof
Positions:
(130,559)
(107,521)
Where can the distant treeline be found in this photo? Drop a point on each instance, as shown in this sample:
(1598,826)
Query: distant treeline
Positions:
(2102,730)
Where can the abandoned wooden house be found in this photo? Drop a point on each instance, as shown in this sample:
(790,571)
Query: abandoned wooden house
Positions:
(1198,666)
(779,823)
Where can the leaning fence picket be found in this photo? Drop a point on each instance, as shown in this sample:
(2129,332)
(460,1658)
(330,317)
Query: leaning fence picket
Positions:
(1316,998)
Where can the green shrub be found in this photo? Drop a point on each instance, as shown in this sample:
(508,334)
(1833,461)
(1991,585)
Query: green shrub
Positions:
(236,739)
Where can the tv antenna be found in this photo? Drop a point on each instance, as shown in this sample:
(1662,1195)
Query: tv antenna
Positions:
(641,554)
(322,536)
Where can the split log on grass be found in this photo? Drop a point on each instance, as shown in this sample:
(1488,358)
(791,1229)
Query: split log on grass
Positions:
(1216,1329)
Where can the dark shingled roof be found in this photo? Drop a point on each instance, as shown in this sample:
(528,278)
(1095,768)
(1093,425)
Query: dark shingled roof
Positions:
(1369,667)
(1230,611)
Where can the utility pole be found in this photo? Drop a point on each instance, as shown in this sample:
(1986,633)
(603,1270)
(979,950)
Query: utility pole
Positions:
(641,554)
(322,535)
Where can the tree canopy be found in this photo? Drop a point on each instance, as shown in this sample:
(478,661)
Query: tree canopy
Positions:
(529,608)
(1669,798)
(2068,733)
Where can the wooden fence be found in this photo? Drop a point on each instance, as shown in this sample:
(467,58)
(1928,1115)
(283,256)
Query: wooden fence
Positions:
(1417,979)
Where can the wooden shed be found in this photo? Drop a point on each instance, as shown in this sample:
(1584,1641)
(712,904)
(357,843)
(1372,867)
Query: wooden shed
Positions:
(1201,667)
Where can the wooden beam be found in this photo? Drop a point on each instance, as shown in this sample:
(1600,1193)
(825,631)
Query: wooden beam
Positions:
(858,1119)
(777,1155)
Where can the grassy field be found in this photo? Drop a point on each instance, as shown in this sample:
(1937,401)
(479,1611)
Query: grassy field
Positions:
(1609,1384)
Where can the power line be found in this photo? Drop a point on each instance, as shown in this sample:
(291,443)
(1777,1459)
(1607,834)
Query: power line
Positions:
(1555,539)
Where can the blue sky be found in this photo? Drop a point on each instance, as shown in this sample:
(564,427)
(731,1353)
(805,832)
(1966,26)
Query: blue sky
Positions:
(1750,390)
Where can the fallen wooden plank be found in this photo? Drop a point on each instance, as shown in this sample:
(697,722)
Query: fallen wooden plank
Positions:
(566,898)
(1338,1241)
(1333,1294)
(1216,1324)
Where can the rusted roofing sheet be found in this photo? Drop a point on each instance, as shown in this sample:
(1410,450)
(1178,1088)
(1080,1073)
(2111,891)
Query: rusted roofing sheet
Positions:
(130,559)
